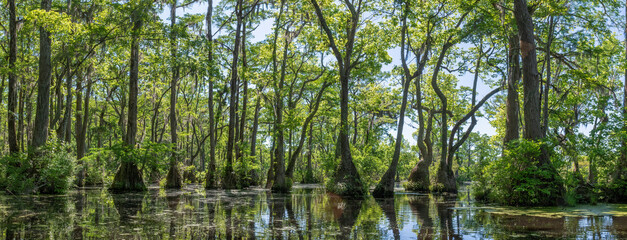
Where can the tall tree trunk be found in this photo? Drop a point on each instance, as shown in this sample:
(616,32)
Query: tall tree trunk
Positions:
(128,176)
(253,140)
(278,109)
(66,124)
(211,173)
(512,105)
(280,184)
(12,102)
(229,179)
(346,180)
(445,180)
(244,178)
(385,187)
(532,130)
(81,124)
(20,120)
(309,176)
(173,178)
(547,86)
(40,132)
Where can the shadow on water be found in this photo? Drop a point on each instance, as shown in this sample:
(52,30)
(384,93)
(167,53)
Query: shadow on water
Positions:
(307,213)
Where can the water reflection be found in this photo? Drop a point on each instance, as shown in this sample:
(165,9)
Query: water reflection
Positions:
(308,213)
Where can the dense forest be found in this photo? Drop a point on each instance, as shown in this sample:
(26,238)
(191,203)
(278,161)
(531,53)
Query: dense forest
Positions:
(241,93)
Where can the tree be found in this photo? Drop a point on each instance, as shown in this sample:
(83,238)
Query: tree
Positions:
(128,177)
(173,179)
(210,177)
(12,102)
(346,180)
(229,179)
(40,131)
(385,188)
(532,130)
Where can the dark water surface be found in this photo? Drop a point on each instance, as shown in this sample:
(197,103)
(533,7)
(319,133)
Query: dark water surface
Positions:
(308,213)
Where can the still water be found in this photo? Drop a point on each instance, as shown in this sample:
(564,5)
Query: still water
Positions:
(308,213)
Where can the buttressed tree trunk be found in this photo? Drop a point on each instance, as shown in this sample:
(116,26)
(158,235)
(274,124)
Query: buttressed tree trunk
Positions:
(128,176)
(347,181)
(277,163)
(385,188)
(40,131)
(531,82)
(173,179)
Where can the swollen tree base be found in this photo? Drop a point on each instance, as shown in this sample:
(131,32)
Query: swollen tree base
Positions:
(444,181)
(173,180)
(309,177)
(418,180)
(286,187)
(347,182)
(229,181)
(128,179)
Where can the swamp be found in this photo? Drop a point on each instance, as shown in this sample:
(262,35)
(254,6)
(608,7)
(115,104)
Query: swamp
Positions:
(313,119)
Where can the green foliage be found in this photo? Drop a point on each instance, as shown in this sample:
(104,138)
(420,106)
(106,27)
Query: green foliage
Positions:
(616,191)
(48,170)
(518,179)
(151,157)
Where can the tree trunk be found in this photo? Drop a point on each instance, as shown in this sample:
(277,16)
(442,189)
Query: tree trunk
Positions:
(253,141)
(229,180)
(419,177)
(385,188)
(346,180)
(512,105)
(40,132)
(128,176)
(12,102)
(309,176)
(445,180)
(245,178)
(66,125)
(280,183)
(547,86)
(211,172)
(81,125)
(173,178)
(532,130)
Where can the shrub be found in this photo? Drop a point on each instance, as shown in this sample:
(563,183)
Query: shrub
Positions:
(518,179)
(48,170)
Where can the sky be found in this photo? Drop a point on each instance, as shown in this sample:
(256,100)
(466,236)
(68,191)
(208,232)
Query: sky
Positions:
(483,126)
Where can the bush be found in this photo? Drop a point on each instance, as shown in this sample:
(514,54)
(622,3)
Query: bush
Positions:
(518,179)
(49,170)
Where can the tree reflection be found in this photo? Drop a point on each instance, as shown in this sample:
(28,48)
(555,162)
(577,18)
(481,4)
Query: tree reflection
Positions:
(387,205)
(345,212)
